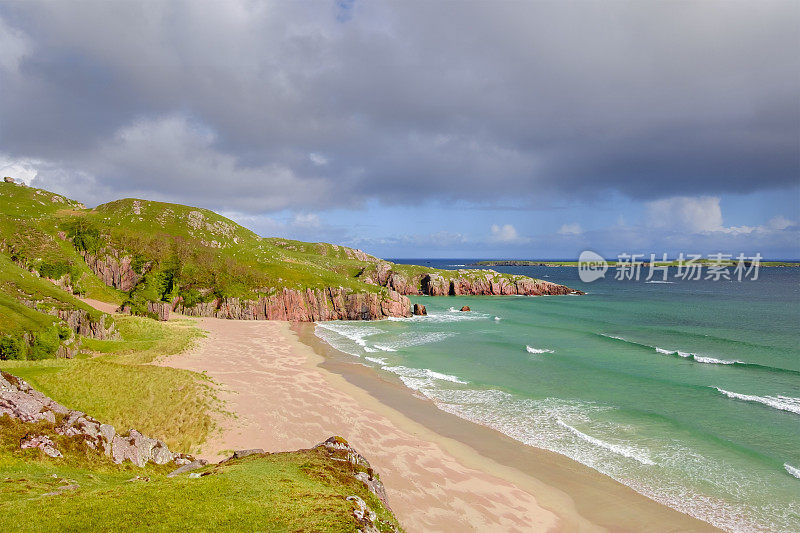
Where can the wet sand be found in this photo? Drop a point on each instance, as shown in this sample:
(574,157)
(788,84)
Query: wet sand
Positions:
(288,390)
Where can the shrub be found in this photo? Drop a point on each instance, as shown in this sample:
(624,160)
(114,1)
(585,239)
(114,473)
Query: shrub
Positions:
(45,343)
(85,237)
(54,270)
(12,348)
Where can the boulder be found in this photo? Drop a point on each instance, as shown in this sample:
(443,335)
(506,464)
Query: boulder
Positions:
(365,516)
(465,309)
(42,442)
(420,310)
(194,465)
(238,454)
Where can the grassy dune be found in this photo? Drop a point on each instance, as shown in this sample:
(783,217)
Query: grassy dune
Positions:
(295,491)
(116,385)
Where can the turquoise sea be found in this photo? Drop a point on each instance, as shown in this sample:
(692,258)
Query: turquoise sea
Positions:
(688,392)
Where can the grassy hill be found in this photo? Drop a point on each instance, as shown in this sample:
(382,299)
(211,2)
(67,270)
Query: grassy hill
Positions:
(141,252)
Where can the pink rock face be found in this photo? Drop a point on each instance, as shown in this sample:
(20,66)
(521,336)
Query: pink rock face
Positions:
(309,305)
(114,271)
(42,442)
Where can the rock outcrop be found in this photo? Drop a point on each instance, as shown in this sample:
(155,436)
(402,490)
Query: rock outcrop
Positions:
(305,306)
(156,310)
(113,268)
(81,323)
(21,401)
(463,282)
(420,310)
(465,309)
(338,448)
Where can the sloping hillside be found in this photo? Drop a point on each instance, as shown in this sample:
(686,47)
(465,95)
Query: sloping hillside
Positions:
(156,257)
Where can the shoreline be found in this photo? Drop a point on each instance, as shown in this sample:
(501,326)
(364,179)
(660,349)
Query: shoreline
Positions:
(596,497)
(287,389)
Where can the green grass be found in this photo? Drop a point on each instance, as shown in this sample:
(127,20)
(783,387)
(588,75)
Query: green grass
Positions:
(118,385)
(295,491)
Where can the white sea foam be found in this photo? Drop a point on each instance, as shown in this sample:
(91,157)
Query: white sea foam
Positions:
(346,338)
(782,403)
(535,422)
(440,318)
(378,360)
(421,379)
(792,470)
(712,360)
(665,352)
(405,340)
(356,333)
(615,448)
(497,319)
(531,349)
(383,348)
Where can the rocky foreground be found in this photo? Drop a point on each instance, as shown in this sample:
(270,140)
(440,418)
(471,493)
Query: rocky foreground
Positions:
(49,422)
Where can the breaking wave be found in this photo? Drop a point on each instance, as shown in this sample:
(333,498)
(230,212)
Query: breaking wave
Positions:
(704,359)
(531,349)
(625,451)
(782,403)
(792,470)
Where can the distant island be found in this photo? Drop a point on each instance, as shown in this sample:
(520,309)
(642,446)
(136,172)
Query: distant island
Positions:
(544,263)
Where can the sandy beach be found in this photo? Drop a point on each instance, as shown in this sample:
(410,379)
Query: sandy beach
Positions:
(283,400)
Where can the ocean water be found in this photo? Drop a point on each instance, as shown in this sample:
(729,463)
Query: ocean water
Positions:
(688,392)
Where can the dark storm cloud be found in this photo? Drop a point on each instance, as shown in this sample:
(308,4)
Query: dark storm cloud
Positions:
(259,106)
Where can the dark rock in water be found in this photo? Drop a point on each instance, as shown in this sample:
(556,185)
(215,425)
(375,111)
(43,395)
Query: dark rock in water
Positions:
(420,310)
(466,308)
(194,465)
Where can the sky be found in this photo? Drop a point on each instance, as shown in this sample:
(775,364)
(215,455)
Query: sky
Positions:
(422,129)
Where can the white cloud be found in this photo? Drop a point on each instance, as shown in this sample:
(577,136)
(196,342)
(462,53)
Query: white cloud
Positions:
(14,46)
(686,213)
(176,158)
(318,159)
(780,222)
(506,233)
(306,220)
(24,170)
(570,229)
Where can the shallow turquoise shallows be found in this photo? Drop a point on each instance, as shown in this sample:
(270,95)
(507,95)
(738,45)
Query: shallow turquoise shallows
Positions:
(688,392)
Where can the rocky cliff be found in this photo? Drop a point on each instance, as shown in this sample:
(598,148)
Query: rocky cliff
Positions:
(309,305)
(461,282)
(305,306)
(113,268)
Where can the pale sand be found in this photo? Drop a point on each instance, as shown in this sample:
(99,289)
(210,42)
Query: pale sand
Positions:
(283,401)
